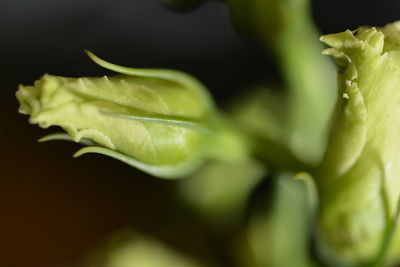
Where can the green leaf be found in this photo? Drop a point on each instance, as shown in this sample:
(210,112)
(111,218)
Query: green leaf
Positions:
(164,171)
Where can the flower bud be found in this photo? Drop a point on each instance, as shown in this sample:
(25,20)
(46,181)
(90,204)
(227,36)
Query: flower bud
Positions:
(160,121)
(358,180)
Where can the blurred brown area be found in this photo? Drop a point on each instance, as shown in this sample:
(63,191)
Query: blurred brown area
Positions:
(51,214)
(55,210)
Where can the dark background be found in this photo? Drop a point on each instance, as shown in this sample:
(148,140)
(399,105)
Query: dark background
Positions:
(54,209)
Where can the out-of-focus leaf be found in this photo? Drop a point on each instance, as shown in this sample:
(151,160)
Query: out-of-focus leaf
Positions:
(281,236)
(132,249)
(286,29)
(221,190)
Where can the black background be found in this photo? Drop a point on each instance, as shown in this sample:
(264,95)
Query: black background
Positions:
(53,208)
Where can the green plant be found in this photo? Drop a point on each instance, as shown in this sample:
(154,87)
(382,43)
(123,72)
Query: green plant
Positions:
(331,162)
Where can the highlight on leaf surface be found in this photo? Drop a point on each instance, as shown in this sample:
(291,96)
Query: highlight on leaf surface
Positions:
(160,121)
(358,180)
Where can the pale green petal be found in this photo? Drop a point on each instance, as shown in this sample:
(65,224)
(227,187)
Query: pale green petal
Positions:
(350,132)
(358,180)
